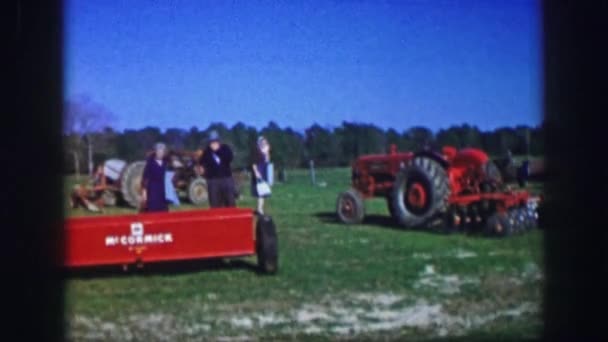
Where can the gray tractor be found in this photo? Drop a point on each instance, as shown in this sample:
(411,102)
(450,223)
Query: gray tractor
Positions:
(126,180)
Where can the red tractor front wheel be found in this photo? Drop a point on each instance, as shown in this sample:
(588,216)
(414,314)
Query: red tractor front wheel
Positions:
(350,207)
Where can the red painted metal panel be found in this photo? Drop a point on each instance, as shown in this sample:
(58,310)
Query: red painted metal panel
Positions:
(148,237)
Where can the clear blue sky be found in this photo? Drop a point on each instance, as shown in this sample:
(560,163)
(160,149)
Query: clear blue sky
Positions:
(171,63)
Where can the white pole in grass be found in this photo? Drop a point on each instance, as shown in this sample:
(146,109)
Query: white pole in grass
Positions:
(312,172)
(283,175)
(87,139)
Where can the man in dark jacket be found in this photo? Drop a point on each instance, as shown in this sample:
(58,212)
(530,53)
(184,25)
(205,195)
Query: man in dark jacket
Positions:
(216,160)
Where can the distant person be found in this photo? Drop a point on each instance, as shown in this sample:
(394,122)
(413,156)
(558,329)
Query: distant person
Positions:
(510,160)
(153,181)
(216,167)
(260,165)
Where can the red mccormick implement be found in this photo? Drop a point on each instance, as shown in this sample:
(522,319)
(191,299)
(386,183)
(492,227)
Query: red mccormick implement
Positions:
(141,238)
(455,189)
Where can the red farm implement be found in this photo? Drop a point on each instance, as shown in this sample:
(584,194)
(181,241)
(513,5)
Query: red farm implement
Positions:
(183,235)
(457,189)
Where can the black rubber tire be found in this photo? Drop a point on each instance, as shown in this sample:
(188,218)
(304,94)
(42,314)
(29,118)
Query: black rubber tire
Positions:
(389,205)
(130,183)
(197,191)
(266,245)
(433,177)
(109,198)
(356,213)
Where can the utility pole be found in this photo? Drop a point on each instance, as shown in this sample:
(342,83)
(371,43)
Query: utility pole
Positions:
(90,152)
(312,172)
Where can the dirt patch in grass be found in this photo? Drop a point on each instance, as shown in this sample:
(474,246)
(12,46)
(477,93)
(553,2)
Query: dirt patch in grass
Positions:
(343,316)
(447,284)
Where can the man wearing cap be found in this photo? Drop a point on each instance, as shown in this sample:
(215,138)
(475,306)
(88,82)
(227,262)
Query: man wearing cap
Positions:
(216,160)
(153,181)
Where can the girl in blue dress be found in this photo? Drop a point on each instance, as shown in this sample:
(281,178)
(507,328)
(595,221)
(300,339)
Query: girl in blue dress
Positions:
(259,165)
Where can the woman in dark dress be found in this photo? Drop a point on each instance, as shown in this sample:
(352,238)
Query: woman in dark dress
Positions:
(259,166)
(153,181)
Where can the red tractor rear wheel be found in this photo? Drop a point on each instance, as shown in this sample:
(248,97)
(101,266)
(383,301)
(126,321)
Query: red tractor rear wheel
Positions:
(420,193)
(350,207)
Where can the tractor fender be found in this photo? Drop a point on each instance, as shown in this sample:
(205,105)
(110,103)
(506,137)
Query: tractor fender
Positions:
(434,156)
(112,168)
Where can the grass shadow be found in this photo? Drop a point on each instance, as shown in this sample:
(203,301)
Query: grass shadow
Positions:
(380,220)
(161,268)
(387,222)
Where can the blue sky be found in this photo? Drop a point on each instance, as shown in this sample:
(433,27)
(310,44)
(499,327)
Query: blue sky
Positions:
(391,63)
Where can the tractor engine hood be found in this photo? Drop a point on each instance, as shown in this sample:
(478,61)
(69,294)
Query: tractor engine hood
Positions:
(470,156)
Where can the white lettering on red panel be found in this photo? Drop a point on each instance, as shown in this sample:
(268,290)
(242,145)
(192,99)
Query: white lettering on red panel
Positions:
(138,237)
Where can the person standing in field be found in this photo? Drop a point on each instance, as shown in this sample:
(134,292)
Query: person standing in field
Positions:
(260,162)
(153,194)
(216,167)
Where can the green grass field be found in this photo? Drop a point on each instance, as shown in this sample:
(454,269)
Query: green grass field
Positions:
(372,281)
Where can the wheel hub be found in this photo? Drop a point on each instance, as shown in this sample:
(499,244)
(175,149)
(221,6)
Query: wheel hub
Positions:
(347,207)
(416,195)
(498,227)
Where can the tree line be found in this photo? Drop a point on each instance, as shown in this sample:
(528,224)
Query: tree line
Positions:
(326,146)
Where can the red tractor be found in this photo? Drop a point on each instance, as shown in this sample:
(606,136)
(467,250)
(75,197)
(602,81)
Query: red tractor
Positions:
(456,189)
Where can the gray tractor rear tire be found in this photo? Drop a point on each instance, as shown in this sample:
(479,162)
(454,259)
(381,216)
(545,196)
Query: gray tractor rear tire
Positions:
(130,183)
